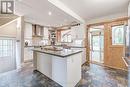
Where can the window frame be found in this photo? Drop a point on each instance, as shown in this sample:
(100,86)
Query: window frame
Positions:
(67,35)
(117,44)
(10,47)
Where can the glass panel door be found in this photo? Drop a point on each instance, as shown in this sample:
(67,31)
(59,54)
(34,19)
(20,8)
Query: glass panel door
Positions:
(7,54)
(97,46)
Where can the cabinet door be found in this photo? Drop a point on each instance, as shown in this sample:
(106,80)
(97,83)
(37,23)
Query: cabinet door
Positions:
(74,69)
(44,64)
(28,30)
(28,54)
(73,32)
(78,32)
(39,30)
(46,33)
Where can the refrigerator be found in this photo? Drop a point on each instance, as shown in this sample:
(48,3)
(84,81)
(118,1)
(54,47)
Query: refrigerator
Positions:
(127,40)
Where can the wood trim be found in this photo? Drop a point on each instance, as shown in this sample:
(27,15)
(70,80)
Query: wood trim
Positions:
(115,23)
(87,45)
(116,46)
(125,61)
(109,66)
(30,60)
(116,68)
(109,21)
(58,36)
(89,62)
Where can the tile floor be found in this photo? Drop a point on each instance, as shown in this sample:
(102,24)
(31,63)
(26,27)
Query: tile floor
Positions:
(98,76)
(92,76)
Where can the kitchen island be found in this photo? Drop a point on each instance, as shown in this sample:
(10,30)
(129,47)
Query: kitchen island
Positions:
(62,66)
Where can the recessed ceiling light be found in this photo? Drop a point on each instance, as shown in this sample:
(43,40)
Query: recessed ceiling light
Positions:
(49,13)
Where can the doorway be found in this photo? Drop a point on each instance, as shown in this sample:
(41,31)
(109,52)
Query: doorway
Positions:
(97,45)
(7,54)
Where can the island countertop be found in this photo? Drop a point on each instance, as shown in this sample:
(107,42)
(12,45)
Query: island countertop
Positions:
(63,53)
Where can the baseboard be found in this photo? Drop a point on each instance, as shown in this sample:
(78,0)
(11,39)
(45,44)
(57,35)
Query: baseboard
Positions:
(116,68)
(85,63)
(30,60)
(102,64)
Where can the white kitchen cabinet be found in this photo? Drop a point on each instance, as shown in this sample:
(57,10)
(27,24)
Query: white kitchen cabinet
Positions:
(28,31)
(64,70)
(81,31)
(46,33)
(44,64)
(73,32)
(67,71)
(83,55)
(28,54)
(78,32)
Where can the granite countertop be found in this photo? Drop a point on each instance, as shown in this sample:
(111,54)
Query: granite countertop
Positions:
(36,46)
(63,53)
(57,46)
(72,46)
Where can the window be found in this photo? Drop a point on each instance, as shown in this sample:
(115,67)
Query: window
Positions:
(118,35)
(66,36)
(6,47)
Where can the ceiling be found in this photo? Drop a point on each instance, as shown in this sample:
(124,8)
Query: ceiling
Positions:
(91,9)
(5,18)
(37,11)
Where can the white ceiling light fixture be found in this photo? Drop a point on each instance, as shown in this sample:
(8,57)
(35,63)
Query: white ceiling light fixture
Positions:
(49,13)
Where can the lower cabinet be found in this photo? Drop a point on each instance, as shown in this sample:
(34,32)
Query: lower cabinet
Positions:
(28,54)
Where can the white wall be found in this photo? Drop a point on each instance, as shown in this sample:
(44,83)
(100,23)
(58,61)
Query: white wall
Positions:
(20,42)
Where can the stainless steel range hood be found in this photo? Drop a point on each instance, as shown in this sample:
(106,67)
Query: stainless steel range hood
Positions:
(37,30)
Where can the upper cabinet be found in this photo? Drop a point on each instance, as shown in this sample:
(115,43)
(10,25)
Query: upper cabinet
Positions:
(32,30)
(46,33)
(37,31)
(78,32)
(28,30)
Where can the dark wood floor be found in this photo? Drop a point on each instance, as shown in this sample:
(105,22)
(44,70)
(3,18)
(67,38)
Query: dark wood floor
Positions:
(92,76)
